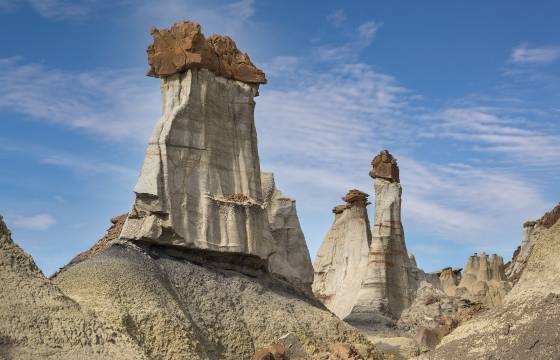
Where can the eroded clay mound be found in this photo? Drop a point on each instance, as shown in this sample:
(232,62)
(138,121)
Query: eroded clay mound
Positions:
(177,309)
(37,321)
(184,47)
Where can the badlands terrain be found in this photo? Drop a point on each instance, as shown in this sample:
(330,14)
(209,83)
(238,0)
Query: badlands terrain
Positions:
(211,261)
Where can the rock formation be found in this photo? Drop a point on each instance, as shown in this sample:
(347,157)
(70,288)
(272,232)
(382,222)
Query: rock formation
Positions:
(184,47)
(525,326)
(200,185)
(449,279)
(392,277)
(210,261)
(291,257)
(531,232)
(341,261)
(484,280)
(38,321)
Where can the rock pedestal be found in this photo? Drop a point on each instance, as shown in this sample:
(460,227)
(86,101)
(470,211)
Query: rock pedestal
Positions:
(200,186)
(341,261)
(391,278)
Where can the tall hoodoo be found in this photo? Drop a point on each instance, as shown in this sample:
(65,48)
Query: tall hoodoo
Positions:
(341,261)
(200,183)
(390,282)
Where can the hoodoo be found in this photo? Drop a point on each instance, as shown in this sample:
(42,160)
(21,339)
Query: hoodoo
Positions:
(341,261)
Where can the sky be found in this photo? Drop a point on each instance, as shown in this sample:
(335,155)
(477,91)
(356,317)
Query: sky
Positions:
(464,94)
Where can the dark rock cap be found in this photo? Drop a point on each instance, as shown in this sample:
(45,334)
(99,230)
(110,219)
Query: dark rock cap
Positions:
(354,196)
(183,47)
(385,167)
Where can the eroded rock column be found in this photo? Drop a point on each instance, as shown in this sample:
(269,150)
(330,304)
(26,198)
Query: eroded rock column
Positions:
(342,259)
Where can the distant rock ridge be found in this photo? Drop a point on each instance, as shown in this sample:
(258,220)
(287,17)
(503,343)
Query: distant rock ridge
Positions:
(184,47)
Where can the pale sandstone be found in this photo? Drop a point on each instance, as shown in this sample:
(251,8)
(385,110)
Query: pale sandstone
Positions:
(291,256)
(341,261)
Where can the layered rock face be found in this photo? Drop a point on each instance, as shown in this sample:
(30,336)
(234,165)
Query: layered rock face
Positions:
(392,278)
(342,259)
(484,280)
(449,279)
(200,184)
(525,326)
(38,321)
(291,256)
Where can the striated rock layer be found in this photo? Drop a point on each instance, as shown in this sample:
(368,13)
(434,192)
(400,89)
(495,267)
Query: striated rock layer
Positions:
(392,277)
(199,186)
(341,261)
(291,256)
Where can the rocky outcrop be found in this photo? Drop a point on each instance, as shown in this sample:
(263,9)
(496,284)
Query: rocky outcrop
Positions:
(484,280)
(184,47)
(291,256)
(449,279)
(38,321)
(391,278)
(525,326)
(342,259)
(531,232)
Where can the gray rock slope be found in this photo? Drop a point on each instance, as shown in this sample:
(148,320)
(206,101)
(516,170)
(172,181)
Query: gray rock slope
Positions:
(199,308)
(37,321)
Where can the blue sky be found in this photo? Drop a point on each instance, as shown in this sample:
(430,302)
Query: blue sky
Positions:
(465,94)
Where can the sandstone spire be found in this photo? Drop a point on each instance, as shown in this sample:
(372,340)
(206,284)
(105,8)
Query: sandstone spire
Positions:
(392,278)
(342,258)
(200,184)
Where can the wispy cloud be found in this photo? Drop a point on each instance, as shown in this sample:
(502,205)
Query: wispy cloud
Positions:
(111,103)
(350,51)
(243,9)
(337,18)
(34,222)
(526,55)
(526,139)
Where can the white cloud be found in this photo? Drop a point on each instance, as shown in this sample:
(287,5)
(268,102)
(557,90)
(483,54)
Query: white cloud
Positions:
(526,139)
(337,18)
(350,51)
(115,104)
(243,9)
(34,222)
(524,54)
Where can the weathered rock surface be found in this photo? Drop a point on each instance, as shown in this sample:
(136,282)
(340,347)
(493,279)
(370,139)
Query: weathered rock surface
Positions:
(484,280)
(38,321)
(391,278)
(384,166)
(531,232)
(341,261)
(291,256)
(184,47)
(449,279)
(525,326)
(199,186)
(177,307)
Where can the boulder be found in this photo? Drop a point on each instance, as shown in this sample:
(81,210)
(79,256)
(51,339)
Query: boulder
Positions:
(183,47)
